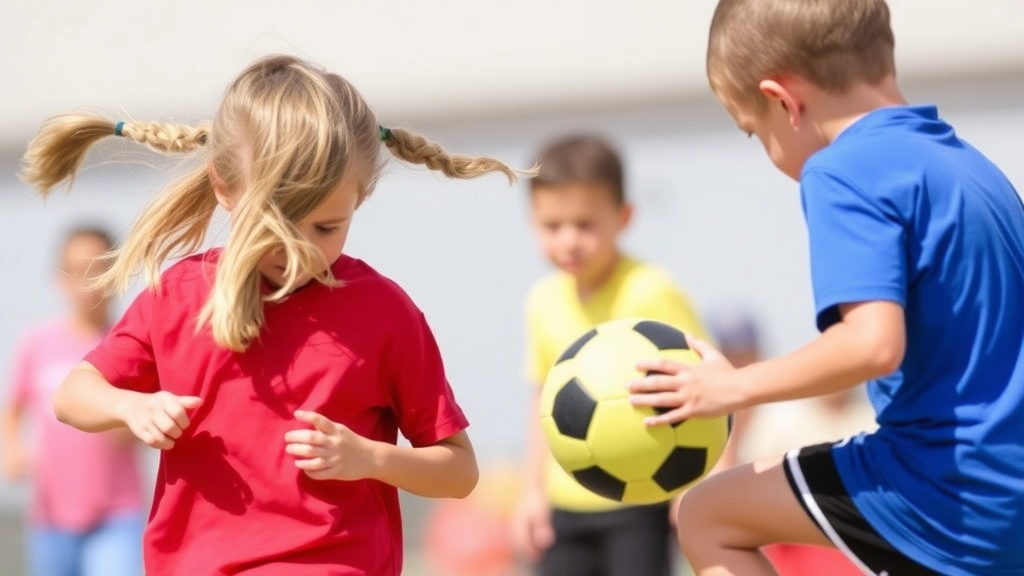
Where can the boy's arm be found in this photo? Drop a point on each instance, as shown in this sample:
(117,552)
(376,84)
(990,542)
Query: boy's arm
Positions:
(868,342)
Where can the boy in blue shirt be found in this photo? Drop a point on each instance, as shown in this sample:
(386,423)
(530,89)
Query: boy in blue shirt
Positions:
(917,260)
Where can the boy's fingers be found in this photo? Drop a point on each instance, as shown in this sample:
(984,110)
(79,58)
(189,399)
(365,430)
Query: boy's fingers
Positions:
(654,384)
(661,365)
(656,400)
(703,349)
(670,417)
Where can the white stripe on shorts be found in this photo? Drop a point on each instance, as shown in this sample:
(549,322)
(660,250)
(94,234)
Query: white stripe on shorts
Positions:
(808,499)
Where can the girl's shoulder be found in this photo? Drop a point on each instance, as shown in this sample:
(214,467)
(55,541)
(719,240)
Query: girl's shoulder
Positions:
(372,285)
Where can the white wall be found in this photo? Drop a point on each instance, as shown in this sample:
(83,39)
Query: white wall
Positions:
(171,59)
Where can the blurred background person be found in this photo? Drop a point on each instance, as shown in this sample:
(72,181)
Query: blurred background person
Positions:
(579,210)
(85,510)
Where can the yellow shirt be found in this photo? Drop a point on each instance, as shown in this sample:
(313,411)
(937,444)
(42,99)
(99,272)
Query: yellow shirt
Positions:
(555,318)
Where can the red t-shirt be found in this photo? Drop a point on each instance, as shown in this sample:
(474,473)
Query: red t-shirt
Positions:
(228,499)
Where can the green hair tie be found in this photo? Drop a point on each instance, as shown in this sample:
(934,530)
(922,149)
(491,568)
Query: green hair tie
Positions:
(385,133)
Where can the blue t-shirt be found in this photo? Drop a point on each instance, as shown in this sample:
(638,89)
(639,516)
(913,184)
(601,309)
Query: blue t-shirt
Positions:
(900,209)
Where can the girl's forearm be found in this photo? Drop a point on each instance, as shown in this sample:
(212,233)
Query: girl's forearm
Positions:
(444,470)
(85,400)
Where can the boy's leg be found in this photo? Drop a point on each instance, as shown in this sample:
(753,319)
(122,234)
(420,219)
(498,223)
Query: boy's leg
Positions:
(639,542)
(724,520)
(798,499)
(577,547)
(114,548)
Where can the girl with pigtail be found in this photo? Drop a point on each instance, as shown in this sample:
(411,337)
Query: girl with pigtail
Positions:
(275,373)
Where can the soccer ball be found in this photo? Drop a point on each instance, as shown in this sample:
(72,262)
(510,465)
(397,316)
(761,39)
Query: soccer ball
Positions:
(595,433)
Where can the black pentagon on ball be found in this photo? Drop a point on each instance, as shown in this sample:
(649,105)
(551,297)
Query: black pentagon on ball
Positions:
(576,346)
(663,336)
(601,482)
(573,409)
(683,465)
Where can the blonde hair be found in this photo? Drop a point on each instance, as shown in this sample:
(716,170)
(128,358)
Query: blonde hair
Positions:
(286,132)
(832,43)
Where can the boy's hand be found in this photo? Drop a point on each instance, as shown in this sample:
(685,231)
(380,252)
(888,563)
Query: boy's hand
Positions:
(531,526)
(687,390)
(158,419)
(329,451)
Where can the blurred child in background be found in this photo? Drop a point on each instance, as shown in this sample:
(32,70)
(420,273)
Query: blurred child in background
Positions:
(85,516)
(579,210)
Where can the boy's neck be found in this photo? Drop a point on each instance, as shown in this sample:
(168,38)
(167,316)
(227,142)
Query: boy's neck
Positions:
(837,113)
(587,287)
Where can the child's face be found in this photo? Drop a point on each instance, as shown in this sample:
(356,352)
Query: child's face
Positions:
(325,227)
(788,141)
(79,268)
(578,226)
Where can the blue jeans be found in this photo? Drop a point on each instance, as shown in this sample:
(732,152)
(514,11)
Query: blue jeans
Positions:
(113,548)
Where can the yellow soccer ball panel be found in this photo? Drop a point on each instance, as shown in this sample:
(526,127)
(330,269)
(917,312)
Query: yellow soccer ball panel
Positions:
(571,453)
(623,445)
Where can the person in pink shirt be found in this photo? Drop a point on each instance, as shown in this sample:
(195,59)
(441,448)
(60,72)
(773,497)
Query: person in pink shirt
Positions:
(85,515)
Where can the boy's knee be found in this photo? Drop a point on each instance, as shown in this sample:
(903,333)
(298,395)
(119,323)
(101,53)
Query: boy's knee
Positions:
(694,515)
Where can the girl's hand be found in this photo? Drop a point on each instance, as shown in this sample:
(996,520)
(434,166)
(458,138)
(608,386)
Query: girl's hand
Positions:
(329,451)
(158,419)
(684,391)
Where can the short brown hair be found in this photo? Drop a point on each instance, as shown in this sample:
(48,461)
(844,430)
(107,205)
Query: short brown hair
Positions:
(832,43)
(580,159)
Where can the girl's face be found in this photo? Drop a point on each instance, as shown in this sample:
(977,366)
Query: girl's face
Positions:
(325,227)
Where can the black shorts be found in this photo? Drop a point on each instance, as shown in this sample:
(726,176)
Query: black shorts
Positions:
(812,475)
(633,541)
